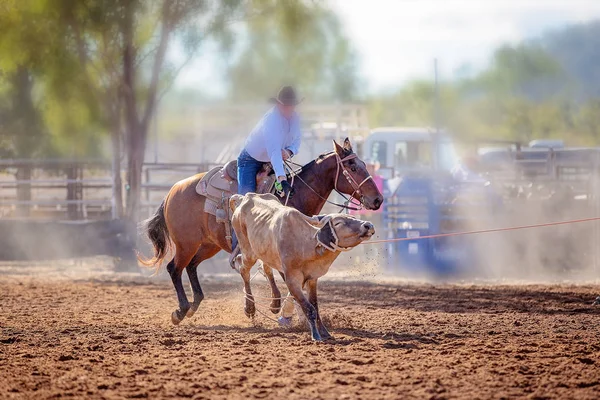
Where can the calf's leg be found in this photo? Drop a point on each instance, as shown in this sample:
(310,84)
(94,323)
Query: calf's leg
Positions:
(311,286)
(245,268)
(294,282)
(275,293)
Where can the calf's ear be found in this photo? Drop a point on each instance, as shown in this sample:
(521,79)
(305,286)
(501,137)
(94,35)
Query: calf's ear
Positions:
(315,220)
(326,235)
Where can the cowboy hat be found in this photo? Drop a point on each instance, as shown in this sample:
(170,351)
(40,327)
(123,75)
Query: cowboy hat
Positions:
(286,96)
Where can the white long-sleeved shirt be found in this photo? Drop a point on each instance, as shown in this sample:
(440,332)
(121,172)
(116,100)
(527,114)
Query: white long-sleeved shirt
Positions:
(273,133)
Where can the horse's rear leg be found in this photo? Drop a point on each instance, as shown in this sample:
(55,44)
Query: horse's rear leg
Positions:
(204,253)
(175,268)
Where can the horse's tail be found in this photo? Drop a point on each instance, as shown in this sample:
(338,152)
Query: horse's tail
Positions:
(156,229)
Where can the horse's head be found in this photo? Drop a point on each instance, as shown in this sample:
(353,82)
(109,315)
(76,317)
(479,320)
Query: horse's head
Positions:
(353,178)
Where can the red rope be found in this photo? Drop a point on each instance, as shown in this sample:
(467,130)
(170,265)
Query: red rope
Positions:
(514,228)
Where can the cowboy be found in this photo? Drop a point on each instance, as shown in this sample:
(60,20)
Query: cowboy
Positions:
(275,139)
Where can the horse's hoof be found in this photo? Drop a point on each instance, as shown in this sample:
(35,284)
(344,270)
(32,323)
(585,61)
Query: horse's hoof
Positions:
(317,338)
(190,313)
(175,319)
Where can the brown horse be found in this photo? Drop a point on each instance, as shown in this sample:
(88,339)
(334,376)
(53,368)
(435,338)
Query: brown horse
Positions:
(197,236)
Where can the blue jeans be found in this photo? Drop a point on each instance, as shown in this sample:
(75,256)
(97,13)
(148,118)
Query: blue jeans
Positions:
(248,167)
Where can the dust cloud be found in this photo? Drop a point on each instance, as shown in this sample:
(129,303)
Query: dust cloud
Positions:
(553,254)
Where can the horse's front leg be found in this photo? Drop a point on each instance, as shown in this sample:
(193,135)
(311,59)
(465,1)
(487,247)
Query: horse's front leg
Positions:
(311,287)
(275,293)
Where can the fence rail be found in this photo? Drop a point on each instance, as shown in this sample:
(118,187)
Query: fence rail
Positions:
(79,190)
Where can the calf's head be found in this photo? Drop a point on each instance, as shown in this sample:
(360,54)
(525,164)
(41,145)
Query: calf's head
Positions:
(344,231)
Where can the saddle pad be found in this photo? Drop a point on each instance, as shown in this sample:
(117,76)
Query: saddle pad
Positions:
(210,207)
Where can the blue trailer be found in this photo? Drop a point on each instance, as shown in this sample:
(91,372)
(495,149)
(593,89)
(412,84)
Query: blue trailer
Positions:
(427,193)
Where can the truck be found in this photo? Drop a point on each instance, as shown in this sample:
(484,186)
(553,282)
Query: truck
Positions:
(428,192)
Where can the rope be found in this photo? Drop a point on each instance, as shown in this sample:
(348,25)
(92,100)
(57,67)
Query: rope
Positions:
(513,228)
(257,305)
(257,308)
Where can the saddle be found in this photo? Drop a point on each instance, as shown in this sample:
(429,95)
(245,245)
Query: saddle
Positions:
(218,184)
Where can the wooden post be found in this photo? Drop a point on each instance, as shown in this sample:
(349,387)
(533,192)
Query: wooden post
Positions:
(147,184)
(24,190)
(71,191)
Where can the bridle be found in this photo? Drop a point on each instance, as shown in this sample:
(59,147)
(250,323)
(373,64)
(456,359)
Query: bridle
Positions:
(349,177)
(340,166)
(332,246)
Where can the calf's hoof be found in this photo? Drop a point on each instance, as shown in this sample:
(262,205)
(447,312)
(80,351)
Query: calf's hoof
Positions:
(276,306)
(325,333)
(285,322)
(250,311)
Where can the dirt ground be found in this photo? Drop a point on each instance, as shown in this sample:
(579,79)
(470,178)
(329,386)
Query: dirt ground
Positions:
(111,337)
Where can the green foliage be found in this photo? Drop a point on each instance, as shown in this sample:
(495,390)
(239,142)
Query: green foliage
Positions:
(531,90)
(304,45)
(73,53)
(39,107)
(73,71)
(577,50)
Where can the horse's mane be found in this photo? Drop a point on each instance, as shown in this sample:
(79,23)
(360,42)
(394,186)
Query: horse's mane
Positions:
(319,158)
(308,166)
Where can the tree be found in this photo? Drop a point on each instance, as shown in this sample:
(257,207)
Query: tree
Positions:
(318,58)
(111,56)
(576,48)
(525,71)
(525,93)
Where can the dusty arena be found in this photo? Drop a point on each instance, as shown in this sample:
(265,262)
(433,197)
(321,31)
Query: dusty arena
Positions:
(80,332)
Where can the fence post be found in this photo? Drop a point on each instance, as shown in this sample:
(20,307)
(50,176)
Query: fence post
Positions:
(24,190)
(72,192)
(147,184)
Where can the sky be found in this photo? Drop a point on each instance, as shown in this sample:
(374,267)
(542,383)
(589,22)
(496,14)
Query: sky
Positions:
(397,40)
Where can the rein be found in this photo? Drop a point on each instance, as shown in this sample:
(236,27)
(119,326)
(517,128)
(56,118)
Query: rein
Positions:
(346,174)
